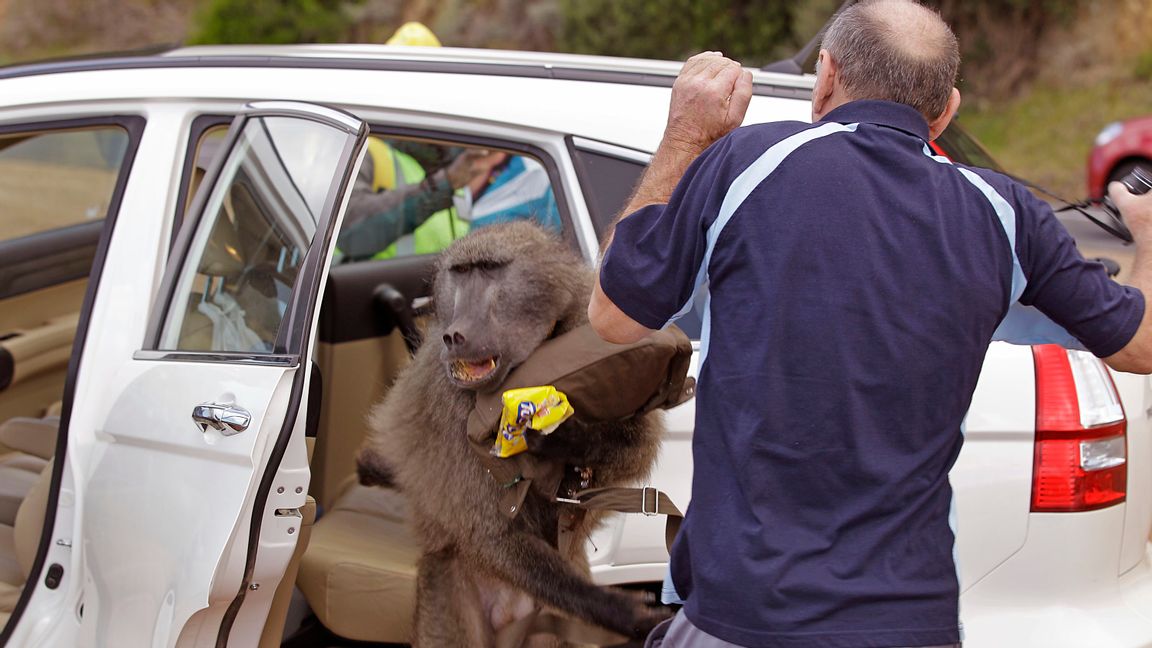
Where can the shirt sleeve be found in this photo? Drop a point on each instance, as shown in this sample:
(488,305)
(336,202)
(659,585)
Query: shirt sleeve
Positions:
(1071,291)
(655,263)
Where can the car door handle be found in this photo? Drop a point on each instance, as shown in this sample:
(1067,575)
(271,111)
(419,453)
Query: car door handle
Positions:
(226,419)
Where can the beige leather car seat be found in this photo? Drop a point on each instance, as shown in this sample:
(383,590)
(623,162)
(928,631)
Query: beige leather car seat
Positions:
(358,573)
(31,443)
(25,540)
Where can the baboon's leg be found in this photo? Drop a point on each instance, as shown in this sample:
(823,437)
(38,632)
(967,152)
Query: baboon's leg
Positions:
(448,607)
(532,565)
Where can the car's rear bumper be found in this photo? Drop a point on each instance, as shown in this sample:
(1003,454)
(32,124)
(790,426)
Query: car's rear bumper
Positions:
(1061,590)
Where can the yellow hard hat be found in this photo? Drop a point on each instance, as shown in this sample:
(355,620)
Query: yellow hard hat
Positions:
(414,34)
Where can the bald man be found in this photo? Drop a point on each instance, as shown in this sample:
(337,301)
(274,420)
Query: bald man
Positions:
(852,281)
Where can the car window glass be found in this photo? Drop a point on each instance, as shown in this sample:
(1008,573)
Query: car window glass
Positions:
(77,168)
(416,196)
(607,182)
(960,147)
(245,256)
(207,150)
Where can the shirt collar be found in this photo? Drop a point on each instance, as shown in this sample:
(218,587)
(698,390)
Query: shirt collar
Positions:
(883,113)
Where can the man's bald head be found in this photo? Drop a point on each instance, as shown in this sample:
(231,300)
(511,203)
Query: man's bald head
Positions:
(896,50)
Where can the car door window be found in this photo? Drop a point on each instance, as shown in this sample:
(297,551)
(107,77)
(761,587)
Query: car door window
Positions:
(415,196)
(246,253)
(608,176)
(77,168)
(59,181)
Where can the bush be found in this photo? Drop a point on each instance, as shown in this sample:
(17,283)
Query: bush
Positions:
(271,21)
(751,31)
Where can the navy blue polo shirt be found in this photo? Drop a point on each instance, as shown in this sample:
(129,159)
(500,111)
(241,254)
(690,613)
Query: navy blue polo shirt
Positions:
(851,283)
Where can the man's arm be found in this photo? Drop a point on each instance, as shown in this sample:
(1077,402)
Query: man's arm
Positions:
(1136,356)
(709,99)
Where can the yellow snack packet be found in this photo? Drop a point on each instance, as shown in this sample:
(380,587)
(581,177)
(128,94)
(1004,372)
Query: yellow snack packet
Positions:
(540,408)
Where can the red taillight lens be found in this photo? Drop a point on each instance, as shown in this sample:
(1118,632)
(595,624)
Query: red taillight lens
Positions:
(1080,460)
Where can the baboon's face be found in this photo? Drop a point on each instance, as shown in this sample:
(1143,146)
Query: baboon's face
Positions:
(499,294)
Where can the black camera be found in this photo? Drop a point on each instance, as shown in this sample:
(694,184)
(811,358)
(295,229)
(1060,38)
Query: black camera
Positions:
(1138,182)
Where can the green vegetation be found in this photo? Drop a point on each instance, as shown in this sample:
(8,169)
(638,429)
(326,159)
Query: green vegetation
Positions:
(271,21)
(754,32)
(1046,133)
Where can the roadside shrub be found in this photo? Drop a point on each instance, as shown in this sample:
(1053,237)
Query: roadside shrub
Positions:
(271,21)
(754,32)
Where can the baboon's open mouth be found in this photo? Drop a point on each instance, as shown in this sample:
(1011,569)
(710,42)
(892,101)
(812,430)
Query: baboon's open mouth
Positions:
(473,371)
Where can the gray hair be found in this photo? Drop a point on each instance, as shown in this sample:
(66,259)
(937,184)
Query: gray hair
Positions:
(896,50)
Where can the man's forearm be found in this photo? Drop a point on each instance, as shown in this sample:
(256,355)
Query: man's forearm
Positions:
(1136,356)
(668,165)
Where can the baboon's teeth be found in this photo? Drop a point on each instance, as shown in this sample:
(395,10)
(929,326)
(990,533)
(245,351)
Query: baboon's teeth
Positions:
(469,371)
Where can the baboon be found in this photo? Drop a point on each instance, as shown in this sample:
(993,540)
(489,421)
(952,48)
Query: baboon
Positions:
(499,293)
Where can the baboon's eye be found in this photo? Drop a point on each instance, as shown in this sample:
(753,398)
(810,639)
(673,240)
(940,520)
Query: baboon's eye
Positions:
(483,265)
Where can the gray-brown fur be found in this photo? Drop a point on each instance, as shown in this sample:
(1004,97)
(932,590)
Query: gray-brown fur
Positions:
(500,291)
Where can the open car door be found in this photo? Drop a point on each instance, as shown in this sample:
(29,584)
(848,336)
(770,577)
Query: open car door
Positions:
(189,500)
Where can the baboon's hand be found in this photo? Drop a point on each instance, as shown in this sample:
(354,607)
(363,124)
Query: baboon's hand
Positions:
(647,613)
(570,442)
(637,613)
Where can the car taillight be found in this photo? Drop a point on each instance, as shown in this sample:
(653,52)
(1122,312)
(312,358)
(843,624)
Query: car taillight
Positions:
(1081,445)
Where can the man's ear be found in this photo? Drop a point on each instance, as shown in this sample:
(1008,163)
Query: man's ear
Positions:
(937,126)
(826,70)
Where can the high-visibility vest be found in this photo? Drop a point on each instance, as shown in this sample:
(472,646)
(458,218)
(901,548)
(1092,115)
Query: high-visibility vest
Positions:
(393,169)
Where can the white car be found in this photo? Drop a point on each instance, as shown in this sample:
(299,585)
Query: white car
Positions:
(215,368)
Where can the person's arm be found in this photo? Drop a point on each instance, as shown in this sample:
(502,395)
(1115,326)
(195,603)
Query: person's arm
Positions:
(374,220)
(1136,356)
(709,99)
(382,218)
(1068,300)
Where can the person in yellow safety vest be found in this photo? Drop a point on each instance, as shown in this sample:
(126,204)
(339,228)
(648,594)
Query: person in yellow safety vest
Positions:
(398,204)
(397,207)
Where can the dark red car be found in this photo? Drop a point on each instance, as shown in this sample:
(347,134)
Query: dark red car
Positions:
(1118,148)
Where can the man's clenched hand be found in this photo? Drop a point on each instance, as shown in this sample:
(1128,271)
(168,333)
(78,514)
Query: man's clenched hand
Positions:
(709,99)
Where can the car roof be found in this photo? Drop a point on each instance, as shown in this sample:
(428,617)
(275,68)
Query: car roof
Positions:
(618,100)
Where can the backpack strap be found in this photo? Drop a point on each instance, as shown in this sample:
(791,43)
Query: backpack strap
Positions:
(646,500)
